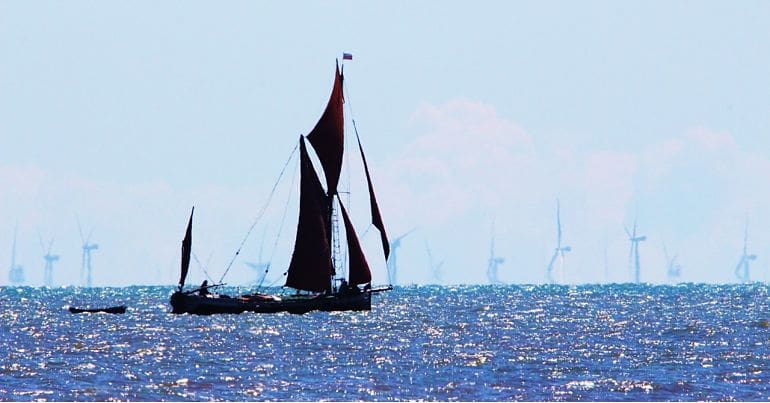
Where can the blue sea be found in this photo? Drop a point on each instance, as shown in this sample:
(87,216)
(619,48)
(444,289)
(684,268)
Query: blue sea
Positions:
(492,343)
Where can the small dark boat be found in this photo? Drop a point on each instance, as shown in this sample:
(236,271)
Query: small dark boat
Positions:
(112,309)
(319,285)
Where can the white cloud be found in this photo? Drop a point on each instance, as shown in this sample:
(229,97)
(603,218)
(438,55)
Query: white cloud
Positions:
(467,164)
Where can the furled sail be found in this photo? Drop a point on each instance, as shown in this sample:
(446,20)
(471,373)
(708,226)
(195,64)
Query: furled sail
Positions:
(328,138)
(186,250)
(376,217)
(359,272)
(311,266)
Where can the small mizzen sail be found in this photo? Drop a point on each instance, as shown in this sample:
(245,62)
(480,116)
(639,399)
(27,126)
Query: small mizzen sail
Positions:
(311,266)
(186,250)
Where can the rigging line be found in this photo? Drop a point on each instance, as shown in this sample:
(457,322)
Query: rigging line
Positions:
(353,119)
(261,212)
(367,230)
(347,171)
(280,226)
(202,267)
(346,97)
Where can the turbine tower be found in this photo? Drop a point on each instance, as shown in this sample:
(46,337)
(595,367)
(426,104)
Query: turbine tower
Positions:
(435,268)
(634,252)
(260,267)
(742,269)
(49,261)
(494,262)
(559,251)
(673,269)
(85,268)
(391,263)
(16,274)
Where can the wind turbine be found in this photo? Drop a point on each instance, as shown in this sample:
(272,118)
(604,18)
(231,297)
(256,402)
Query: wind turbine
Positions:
(49,260)
(559,251)
(16,274)
(742,269)
(634,252)
(260,267)
(391,264)
(435,269)
(494,262)
(85,268)
(673,269)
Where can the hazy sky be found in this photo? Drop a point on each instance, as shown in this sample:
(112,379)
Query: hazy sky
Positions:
(128,113)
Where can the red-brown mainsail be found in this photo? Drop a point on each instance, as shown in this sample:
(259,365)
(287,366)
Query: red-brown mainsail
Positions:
(311,266)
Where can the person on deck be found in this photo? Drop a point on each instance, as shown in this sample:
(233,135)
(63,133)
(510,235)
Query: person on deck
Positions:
(343,287)
(204,290)
(346,288)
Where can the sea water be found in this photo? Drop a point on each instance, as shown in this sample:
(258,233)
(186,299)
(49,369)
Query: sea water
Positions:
(594,342)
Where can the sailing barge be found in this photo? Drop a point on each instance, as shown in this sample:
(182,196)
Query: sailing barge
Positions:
(312,270)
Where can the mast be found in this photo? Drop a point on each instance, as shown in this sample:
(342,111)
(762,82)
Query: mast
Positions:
(328,141)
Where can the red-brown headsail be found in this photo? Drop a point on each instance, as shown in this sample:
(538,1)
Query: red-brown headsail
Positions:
(311,266)
(358,267)
(328,136)
(186,250)
(376,217)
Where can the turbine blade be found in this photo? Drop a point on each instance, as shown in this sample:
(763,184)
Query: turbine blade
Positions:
(550,265)
(80,229)
(396,240)
(40,238)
